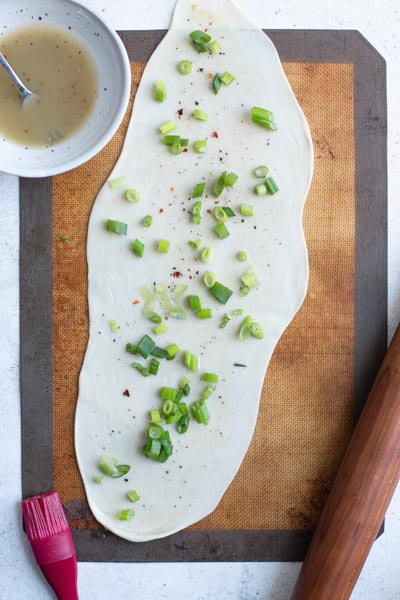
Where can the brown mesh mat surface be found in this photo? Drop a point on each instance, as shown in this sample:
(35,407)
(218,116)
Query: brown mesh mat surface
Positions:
(323,365)
(306,409)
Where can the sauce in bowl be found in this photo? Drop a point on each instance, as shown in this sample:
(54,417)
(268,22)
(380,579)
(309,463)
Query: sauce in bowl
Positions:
(55,65)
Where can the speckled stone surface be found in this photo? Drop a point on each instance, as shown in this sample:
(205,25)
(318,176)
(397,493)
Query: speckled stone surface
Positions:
(19,576)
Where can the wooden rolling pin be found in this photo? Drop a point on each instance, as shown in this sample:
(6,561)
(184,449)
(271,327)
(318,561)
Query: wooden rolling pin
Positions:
(361,493)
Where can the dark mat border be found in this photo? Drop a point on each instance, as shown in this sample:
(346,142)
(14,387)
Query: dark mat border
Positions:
(370,305)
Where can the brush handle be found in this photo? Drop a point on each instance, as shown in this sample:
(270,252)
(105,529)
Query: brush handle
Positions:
(361,492)
(56,557)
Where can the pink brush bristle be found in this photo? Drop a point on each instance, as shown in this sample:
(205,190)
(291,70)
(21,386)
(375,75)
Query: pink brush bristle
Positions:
(44,516)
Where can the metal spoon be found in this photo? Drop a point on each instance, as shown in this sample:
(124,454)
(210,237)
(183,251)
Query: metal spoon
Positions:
(23,91)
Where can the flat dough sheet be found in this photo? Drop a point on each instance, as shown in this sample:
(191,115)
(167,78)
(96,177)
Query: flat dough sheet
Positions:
(190,484)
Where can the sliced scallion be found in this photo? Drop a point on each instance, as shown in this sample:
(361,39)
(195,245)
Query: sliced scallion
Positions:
(117,227)
(200,115)
(194,302)
(261,189)
(114,326)
(138,248)
(209,279)
(216,83)
(159,352)
(200,412)
(244,290)
(133,496)
(204,313)
(154,317)
(222,231)
(271,186)
(119,183)
(108,464)
(198,190)
(227,78)
(154,366)
(228,211)
(160,93)
(245,329)
(131,348)
(141,369)
(155,416)
(221,292)
(190,361)
(132,196)
(237,312)
(214,46)
(220,214)
(200,37)
(225,321)
(158,449)
(145,346)
(210,377)
(167,127)
(160,328)
(241,256)
(196,212)
(206,254)
(147,221)
(185,67)
(246,210)
(172,350)
(200,146)
(163,246)
(126,515)
(263,117)
(176,149)
(170,140)
(250,280)
(220,184)
(195,243)
(206,393)
(178,312)
(256,330)
(98,479)
(260,172)
(231,179)
(167,393)
(183,423)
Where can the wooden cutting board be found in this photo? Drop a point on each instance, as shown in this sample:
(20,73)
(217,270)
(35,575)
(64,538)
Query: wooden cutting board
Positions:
(324,364)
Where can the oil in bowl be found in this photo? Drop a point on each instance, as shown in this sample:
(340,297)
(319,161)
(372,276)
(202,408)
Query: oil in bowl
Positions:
(56,66)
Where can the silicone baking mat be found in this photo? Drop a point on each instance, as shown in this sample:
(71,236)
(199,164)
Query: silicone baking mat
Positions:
(323,366)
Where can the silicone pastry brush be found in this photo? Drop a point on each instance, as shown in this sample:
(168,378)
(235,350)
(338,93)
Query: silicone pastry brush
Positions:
(50,537)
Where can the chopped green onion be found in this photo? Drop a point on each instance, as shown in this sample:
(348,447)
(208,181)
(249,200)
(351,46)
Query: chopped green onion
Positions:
(172,351)
(214,46)
(131,348)
(242,256)
(222,231)
(196,243)
(122,470)
(261,189)
(196,212)
(154,431)
(160,329)
(126,515)
(132,196)
(227,78)
(210,377)
(154,366)
(133,496)
(200,115)
(260,171)
(239,365)
(183,382)
(176,149)
(200,146)
(119,183)
(206,393)
(246,210)
(168,407)
(190,361)
(198,190)
(184,141)
(183,408)
(225,321)
(138,248)
(216,83)
(159,352)
(147,221)
(220,292)
(117,227)
(209,279)
(178,312)
(228,211)
(186,389)
(185,67)
(206,254)
(200,37)
(163,246)
(244,290)
(263,117)
(250,280)
(204,313)
(219,185)
(155,416)
(180,290)
(145,346)
(141,369)
(108,464)
(271,186)
(158,449)
(162,296)
(183,423)
(256,330)
(237,312)
(167,393)
(114,326)
(220,214)
(200,412)
(98,479)
(154,317)
(170,140)
(200,47)
(194,302)
(173,418)
(245,329)
(231,179)
(152,449)
(167,127)
(160,91)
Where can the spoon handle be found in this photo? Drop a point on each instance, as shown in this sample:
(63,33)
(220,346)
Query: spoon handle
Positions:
(22,90)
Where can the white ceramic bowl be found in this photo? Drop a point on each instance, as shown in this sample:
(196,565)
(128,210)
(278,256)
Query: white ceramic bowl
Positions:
(114,81)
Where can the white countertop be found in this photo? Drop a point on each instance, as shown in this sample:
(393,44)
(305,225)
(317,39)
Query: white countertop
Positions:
(379,22)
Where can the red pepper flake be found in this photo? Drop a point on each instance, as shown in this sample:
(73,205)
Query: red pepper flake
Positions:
(209,75)
(126,393)
(206,30)
(209,211)
(176,274)
(161,210)
(185,150)
(180,112)
(216,201)
(136,302)
(172,189)
(214,134)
